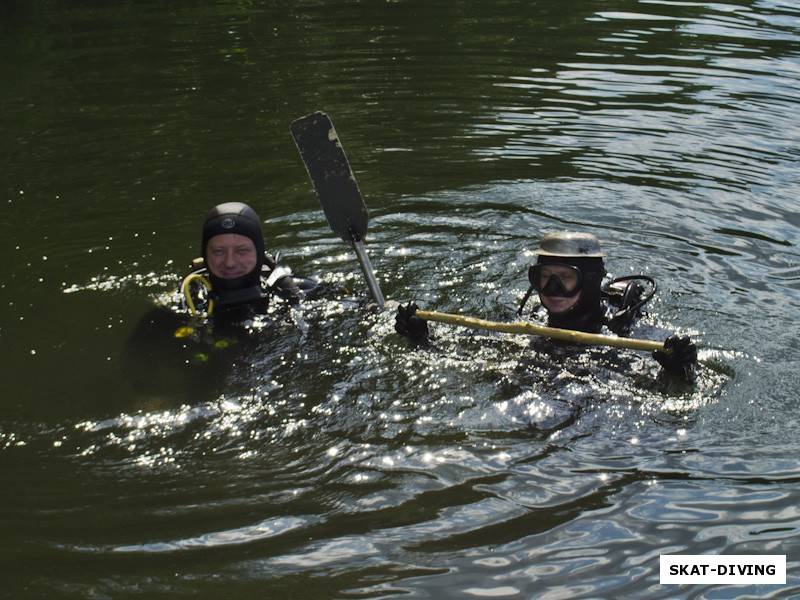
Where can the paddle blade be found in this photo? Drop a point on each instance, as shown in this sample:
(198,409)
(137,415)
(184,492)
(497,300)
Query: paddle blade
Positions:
(330,172)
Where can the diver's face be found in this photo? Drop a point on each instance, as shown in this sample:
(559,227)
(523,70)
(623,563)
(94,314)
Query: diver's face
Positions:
(569,280)
(230,255)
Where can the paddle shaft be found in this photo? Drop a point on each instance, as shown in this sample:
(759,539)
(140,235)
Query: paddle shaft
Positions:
(578,337)
(369,274)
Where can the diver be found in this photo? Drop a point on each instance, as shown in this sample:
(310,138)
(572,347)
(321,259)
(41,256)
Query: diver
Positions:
(235,272)
(186,347)
(570,278)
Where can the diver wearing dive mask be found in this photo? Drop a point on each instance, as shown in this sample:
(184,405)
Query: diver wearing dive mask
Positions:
(567,276)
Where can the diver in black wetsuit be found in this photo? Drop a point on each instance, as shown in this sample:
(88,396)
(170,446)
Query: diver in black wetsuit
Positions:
(569,278)
(233,284)
(235,270)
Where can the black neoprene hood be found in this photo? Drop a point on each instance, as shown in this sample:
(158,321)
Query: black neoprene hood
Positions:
(233,217)
(238,218)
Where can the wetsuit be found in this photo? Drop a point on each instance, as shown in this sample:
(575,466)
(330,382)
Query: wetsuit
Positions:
(180,357)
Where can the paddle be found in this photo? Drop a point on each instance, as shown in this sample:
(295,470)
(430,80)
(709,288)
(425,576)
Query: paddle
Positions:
(578,337)
(336,188)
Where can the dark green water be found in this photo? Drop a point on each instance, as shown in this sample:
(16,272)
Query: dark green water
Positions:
(328,460)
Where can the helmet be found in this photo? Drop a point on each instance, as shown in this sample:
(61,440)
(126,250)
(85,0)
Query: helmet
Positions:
(570,244)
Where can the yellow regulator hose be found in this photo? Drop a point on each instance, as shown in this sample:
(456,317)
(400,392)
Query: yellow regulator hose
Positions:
(187,292)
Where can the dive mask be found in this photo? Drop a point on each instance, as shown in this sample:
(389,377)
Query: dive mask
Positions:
(555,279)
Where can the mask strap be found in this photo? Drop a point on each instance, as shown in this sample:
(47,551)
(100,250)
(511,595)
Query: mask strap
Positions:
(524,301)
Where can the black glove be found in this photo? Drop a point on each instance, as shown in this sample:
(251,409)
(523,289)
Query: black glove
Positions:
(286,287)
(410,326)
(682,360)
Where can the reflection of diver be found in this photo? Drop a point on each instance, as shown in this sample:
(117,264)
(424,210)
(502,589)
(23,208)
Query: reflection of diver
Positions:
(569,278)
(233,284)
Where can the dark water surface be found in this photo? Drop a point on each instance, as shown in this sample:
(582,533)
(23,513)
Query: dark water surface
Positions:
(322,457)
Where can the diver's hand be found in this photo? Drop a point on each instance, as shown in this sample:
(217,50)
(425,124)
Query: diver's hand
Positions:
(286,287)
(682,360)
(409,325)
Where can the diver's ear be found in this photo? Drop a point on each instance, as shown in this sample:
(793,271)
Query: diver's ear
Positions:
(593,276)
